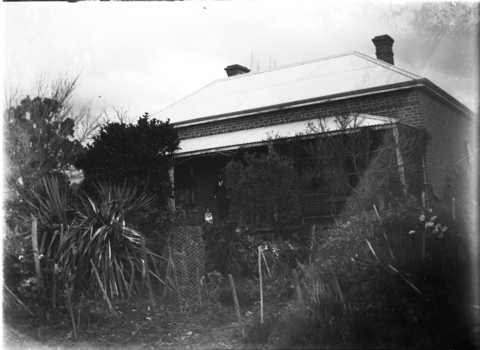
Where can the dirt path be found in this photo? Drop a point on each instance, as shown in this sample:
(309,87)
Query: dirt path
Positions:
(212,327)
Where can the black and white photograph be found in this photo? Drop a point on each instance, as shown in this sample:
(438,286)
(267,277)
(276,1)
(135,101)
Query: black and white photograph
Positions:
(240,175)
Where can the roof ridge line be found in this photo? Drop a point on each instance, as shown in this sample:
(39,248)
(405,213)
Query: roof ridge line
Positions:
(252,73)
(388,66)
(284,67)
(184,98)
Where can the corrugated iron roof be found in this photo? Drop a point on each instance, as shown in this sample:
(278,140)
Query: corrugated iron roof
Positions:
(250,137)
(287,84)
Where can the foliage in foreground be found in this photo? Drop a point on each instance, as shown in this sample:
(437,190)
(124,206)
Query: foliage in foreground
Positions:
(381,306)
(76,236)
(231,249)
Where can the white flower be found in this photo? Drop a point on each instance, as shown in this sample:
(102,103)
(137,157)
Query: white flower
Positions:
(411,232)
(422,217)
(444,228)
(429,224)
(433,218)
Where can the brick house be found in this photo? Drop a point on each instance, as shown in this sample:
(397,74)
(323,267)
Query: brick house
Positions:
(230,116)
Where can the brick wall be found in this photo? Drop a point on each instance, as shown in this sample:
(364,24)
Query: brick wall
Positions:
(404,104)
(446,124)
(449,129)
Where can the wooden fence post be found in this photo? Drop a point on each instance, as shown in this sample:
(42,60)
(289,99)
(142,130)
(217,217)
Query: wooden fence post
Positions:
(167,277)
(35,248)
(237,306)
(384,233)
(261,286)
(149,286)
(298,292)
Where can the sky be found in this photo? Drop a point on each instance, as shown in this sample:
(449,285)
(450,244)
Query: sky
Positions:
(144,56)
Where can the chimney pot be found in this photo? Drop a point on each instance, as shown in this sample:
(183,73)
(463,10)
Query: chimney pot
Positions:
(236,69)
(383,45)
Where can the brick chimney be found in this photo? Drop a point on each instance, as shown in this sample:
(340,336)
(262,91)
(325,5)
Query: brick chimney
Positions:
(236,69)
(383,45)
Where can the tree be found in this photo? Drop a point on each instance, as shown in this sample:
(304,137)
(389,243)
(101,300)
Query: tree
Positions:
(139,154)
(39,140)
(359,164)
(264,191)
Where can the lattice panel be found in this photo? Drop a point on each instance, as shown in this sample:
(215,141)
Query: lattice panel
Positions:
(188,254)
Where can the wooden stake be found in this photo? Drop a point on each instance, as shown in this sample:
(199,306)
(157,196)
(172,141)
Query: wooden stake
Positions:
(265,261)
(18,300)
(237,306)
(261,285)
(394,270)
(156,268)
(384,233)
(105,296)
(79,311)
(54,286)
(35,248)
(298,292)
(405,280)
(149,286)
(167,278)
(71,313)
(371,249)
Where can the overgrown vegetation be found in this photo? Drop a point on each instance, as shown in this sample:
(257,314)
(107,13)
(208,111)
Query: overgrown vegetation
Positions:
(399,278)
(418,301)
(264,191)
(88,243)
(40,139)
(78,237)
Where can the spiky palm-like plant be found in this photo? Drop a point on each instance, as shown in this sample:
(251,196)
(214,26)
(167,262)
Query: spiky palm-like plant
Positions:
(94,230)
(104,237)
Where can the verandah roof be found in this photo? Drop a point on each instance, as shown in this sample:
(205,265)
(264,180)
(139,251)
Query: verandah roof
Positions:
(260,136)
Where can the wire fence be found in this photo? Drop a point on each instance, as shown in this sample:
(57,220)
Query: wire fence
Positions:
(187,253)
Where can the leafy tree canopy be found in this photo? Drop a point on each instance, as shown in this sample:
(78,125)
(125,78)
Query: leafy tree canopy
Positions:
(38,141)
(139,154)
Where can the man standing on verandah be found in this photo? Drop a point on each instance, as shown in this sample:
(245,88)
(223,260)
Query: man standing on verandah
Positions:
(220,194)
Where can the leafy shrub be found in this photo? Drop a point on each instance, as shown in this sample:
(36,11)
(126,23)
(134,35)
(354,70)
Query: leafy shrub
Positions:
(264,191)
(223,242)
(138,154)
